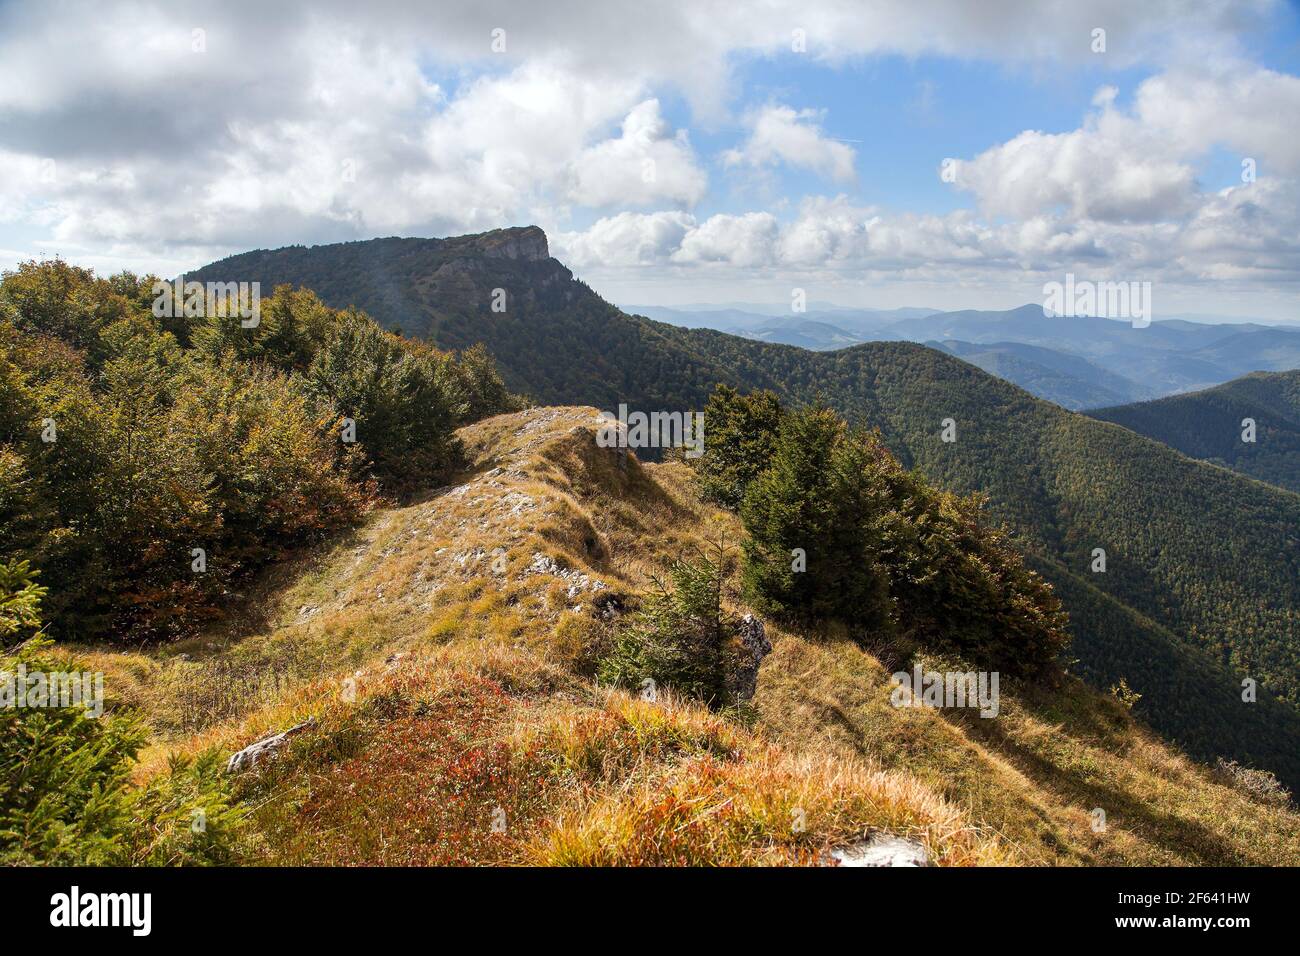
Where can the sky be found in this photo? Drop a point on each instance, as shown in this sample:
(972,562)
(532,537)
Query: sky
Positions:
(877,154)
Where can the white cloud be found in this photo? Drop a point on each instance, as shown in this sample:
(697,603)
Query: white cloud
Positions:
(1139,165)
(374,154)
(1245,231)
(323,124)
(1240,106)
(748,240)
(126,48)
(1250,231)
(626,239)
(649,162)
(780,134)
(1113,168)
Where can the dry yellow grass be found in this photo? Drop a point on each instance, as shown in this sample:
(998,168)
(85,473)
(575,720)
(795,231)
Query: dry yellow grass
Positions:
(432,625)
(729,798)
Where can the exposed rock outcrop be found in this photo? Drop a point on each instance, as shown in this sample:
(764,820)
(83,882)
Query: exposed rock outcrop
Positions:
(266,747)
(576,580)
(527,243)
(753,636)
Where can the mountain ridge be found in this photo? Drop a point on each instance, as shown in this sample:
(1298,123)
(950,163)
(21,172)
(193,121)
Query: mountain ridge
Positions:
(1209,425)
(460,623)
(1064,483)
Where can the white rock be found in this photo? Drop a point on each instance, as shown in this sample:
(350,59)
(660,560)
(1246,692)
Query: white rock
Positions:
(883,849)
(266,747)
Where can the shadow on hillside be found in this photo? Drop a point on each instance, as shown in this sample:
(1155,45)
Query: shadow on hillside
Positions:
(254,606)
(1122,808)
(614,489)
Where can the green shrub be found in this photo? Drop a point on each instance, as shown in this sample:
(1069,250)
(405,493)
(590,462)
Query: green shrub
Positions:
(681,637)
(274,473)
(197,433)
(884,551)
(66,800)
(957,581)
(405,401)
(189,816)
(481,390)
(812,550)
(20,601)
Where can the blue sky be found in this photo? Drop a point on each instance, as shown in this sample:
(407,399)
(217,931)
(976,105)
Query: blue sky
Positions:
(681,152)
(904,116)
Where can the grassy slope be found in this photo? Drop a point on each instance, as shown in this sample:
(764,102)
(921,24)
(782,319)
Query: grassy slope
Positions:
(1202,586)
(1207,425)
(446,688)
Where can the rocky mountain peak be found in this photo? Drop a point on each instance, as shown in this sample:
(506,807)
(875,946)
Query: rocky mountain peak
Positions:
(526,243)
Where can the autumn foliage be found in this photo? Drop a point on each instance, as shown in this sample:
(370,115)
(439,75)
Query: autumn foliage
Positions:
(148,462)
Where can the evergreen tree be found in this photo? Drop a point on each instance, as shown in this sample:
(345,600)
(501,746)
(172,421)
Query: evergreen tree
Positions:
(851,560)
(20,601)
(403,402)
(740,438)
(682,637)
(839,530)
(789,514)
(481,390)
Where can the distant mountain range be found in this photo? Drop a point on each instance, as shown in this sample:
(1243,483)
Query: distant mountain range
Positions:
(1202,586)
(1068,380)
(1079,363)
(734,317)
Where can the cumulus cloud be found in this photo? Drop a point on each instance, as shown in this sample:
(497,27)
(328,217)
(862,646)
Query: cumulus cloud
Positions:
(1138,165)
(1245,232)
(164,133)
(780,134)
(746,240)
(1237,105)
(375,155)
(649,162)
(627,239)
(127,48)
(827,235)
(1113,168)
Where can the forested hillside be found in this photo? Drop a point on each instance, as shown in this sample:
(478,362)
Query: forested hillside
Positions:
(1201,565)
(1210,425)
(552,336)
(148,463)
